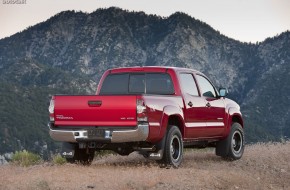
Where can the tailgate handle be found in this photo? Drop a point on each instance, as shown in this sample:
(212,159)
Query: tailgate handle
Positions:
(94,103)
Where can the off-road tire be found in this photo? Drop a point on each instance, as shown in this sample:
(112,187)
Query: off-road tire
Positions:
(173,148)
(233,146)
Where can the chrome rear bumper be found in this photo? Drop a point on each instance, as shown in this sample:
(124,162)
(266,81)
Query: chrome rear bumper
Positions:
(140,133)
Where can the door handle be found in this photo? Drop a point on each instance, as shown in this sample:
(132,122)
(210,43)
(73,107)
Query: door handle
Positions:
(208,104)
(95,103)
(190,104)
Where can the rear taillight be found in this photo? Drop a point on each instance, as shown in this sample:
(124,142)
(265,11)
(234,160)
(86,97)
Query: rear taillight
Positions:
(51,109)
(141,111)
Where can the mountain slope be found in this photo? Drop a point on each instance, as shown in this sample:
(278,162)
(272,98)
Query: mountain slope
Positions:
(267,103)
(69,52)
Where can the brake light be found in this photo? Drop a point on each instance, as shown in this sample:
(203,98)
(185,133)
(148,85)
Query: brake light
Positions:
(141,111)
(51,109)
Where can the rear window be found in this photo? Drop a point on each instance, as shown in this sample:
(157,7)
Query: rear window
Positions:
(137,83)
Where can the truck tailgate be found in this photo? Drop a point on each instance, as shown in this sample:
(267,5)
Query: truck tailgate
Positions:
(95,110)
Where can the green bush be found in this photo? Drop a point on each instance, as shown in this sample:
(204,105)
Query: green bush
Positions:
(58,160)
(25,158)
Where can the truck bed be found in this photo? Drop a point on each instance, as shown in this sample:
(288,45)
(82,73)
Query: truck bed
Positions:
(92,111)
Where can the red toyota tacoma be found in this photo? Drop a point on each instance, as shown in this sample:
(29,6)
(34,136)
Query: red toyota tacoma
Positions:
(156,111)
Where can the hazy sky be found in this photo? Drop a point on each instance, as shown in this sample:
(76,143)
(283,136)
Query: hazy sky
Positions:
(244,20)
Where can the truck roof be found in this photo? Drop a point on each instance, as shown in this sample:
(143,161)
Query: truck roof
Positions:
(150,69)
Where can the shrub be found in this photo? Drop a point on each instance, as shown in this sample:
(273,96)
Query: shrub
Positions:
(102,153)
(58,160)
(25,158)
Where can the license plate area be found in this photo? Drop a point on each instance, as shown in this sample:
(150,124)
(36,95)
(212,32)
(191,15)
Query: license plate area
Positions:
(96,133)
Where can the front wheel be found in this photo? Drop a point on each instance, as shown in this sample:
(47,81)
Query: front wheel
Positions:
(173,149)
(233,146)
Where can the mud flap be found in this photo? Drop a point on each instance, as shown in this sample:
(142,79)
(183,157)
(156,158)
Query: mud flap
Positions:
(158,154)
(67,150)
(220,149)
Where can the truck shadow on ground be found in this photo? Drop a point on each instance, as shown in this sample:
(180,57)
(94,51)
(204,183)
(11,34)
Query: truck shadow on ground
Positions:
(191,158)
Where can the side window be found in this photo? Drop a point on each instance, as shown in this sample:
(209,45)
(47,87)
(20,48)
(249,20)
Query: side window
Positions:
(188,84)
(205,87)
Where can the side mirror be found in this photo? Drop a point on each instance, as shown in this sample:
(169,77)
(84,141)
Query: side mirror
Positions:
(223,92)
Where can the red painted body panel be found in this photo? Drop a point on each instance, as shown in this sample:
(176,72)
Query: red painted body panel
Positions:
(215,115)
(156,108)
(113,111)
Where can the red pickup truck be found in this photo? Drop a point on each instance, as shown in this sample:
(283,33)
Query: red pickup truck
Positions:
(156,111)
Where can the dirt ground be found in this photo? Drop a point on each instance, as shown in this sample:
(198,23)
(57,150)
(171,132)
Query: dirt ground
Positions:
(263,166)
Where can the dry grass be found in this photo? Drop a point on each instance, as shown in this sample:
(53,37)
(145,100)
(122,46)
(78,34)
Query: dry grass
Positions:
(263,166)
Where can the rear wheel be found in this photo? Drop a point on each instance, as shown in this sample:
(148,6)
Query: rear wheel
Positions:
(173,149)
(82,156)
(233,146)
